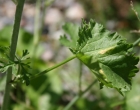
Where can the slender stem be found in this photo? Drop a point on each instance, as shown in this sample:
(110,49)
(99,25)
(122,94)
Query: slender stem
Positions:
(18,14)
(51,68)
(79,96)
(80,76)
(43,11)
(36,29)
(39,21)
(136,13)
(37,24)
(136,42)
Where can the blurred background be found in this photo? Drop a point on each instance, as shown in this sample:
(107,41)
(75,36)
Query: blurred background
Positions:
(41,28)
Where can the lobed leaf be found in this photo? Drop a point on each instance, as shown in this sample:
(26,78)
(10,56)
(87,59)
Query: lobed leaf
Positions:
(72,31)
(106,54)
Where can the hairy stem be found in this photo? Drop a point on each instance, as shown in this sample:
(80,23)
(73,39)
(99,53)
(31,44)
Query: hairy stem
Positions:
(18,14)
(52,68)
(78,96)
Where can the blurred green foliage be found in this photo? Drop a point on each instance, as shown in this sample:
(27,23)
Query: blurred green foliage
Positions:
(54,90)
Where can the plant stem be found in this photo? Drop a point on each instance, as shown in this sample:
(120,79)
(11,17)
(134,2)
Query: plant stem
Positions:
(136,13)
(51,68)
(80,76)
(36,29)
(39,21)
(78,96)
(136,42)
(18,14)
(37,24)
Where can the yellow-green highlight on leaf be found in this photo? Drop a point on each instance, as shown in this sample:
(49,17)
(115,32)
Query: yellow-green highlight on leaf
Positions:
(106,54)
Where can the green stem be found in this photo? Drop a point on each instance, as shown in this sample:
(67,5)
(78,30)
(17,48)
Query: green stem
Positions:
(18,14)
(136,42)
(37,28)
(37,23)
(79,96)
(51,68)
(80,76)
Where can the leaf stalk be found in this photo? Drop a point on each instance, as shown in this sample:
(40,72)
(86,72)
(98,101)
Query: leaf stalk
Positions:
(52,68)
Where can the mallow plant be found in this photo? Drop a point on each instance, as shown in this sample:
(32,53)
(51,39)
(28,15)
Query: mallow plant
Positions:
(108,55)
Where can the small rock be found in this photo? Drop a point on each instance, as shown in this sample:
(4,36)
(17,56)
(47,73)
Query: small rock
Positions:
(9,9)
(53,16)
(29,10)
(75,12)
(48,53)
(56,35)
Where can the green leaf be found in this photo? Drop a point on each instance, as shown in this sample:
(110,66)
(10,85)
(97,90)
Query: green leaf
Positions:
(25,52)
(72,31)
(24,41)
(106,54)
